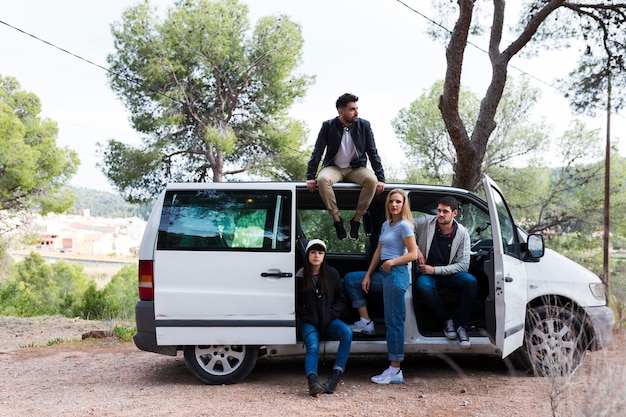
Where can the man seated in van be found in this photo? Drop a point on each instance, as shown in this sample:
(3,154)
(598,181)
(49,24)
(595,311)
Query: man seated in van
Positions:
(445,264)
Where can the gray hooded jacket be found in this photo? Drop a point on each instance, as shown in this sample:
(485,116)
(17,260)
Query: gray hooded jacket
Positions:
(459,252)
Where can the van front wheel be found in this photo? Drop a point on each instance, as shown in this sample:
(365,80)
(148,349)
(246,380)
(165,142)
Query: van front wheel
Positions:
(220,364)
(554,342)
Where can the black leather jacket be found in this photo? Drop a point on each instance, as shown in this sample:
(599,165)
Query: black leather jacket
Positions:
(330,137)
(320,310)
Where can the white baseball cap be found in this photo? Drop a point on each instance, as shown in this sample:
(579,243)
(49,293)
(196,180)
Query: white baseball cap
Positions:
(316,242)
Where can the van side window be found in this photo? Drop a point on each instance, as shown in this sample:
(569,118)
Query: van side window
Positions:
(475,220)
(507,227)
(226,220)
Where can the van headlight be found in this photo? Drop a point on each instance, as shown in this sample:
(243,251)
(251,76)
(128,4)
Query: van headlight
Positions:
(598,291)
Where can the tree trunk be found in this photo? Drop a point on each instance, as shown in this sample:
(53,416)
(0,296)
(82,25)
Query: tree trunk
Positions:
(471,151)
(449,100)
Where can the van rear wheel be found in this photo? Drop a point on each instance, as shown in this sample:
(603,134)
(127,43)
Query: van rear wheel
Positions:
(555,342)
(220,364)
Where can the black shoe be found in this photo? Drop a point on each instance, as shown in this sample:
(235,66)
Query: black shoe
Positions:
(314,385)
(354,229)
(341,232)
(331,385)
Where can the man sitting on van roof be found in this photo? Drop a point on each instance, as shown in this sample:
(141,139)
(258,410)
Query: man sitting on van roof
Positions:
(348,142)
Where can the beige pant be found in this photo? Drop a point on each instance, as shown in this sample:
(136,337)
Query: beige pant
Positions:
(332,174)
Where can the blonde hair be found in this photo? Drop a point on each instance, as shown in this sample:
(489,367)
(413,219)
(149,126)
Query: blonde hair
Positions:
(406,207)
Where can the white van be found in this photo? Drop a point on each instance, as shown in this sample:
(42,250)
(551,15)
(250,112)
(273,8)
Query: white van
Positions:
(217,267)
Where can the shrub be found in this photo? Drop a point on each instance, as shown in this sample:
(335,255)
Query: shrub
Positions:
(36,288)
(92,305)
(121,294)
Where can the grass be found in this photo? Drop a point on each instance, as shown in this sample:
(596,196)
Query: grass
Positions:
(55,341)
(596,389)
(124,333)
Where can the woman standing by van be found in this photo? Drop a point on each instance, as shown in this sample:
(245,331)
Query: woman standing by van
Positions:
(320,299)
(388,272)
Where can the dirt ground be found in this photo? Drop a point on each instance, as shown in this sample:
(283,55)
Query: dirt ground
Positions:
(48,370)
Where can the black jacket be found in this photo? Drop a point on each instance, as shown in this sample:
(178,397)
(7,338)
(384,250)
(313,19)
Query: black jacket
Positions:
(329,139)
(320,310)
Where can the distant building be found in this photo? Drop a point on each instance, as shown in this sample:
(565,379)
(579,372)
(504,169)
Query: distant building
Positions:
(91,236)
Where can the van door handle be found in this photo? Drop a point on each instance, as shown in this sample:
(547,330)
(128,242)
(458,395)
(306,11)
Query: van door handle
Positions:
(508,279)
(277,274)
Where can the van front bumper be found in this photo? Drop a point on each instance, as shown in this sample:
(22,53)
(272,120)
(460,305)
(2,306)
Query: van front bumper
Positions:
(602,321)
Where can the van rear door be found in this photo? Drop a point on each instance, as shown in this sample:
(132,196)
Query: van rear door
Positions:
(509,273)
(224,265)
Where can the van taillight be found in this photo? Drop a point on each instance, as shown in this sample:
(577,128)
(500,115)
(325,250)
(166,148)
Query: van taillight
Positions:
(146,281)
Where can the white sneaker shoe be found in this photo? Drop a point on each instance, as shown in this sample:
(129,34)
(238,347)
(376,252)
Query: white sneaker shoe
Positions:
(389,376)
(463,338)
(449,330)
(363,327)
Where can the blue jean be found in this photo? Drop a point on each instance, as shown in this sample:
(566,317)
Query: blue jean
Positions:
(336,329)
(393,285)
(463,283)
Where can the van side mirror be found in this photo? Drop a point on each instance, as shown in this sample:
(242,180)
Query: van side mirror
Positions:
(535,247)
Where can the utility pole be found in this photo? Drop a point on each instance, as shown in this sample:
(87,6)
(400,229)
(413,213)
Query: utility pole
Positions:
(607,187)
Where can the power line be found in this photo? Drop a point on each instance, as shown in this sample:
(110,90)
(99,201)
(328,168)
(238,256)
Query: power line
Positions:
(433,22)
(108,70)
(54,46)
(479,48)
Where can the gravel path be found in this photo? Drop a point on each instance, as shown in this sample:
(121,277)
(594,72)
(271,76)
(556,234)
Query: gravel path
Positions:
(48,370)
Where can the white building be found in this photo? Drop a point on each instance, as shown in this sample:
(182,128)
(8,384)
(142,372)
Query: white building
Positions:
(91,236)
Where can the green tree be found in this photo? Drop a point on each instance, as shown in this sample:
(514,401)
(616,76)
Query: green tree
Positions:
(542,198)
(565,198)
(618,199)
(423,136)
(599,82)
(121,293)
(92,305)
(70,282)
(36,287)
(210,95)
(39,287)
(542,23)
(16,299)
(33,170)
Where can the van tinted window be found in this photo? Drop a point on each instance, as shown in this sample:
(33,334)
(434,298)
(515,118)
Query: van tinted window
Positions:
(226,220)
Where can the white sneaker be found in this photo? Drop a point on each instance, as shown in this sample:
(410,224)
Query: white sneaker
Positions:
(389,376)
(363,327)
(463,338)
(449,330)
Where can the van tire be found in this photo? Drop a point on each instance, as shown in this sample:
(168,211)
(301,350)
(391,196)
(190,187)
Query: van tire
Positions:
(220,364)
(555,342)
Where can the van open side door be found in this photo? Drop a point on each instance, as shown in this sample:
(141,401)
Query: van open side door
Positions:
(509,273)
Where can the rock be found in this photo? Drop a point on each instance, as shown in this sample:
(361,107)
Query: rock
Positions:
(98,334)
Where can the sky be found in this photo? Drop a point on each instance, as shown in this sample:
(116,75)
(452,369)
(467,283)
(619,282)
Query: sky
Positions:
(376,49)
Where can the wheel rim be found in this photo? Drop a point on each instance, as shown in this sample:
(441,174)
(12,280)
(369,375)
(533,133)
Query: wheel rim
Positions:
(220,359)
(553,345)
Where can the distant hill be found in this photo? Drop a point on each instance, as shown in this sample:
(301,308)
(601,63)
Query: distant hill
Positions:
(106,204)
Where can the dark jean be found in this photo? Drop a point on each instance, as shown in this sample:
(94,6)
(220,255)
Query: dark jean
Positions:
(463,283)
(393,285)
(337,330)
